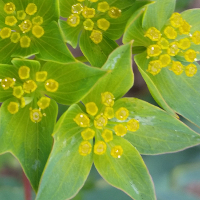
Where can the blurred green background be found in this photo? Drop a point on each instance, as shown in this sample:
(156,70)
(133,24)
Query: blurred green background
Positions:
(176,176)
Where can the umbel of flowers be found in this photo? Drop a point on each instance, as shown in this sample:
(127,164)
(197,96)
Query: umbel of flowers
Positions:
(91,13)
(97,123)
(22,25)
(25,88)
(175,39)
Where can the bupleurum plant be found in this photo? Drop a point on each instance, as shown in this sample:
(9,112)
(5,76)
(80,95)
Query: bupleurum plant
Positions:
(100,126)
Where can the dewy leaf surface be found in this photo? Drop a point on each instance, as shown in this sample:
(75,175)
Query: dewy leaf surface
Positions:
(181,93)
(75,80)
(66,169)
(158,132)
(30,142)
(128,172)
(119,80)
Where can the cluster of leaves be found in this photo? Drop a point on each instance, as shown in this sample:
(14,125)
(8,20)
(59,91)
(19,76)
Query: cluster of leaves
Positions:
(104,128)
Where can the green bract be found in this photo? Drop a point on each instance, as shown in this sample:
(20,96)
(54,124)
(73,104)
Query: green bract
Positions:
(172,45)
(28,28)
(28,116)
(121,128)
(97,24)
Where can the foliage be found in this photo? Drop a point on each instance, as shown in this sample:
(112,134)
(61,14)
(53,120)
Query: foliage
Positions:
(38,72)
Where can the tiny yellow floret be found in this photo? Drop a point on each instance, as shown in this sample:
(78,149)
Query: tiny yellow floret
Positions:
(18,91)
(120,130)
(88,12)
(23,102)
(107,99)
(122,113)
(177,67)
(25,41)
(6,83)
(107,135)
(100,148)
(35,115)
(153,50)
(44,102)
(191,70)
(15,37)
(176,20)
(103,24)
(85,148)
(114,12)
(29,86)
(88,24)
(184,28)
(116,151)
(31,9)
(37,20)
(41,76)
(37,31)
(184,43)
(21,15)
(73,20)
(88,134)
(133,125)
(13,107)
(96,36)
(170,32)
(173,49)
(196,37)
(100,121)
(9,8)
(153,34)
(25,26)
(109,112)
(51,85)
(190,55)
(165,59)
(91,108)
(77,8)
(93,0)
(10,20)
(154,67)
(163,43)
(103,6)
(82,120)
(24,72)
(5,33)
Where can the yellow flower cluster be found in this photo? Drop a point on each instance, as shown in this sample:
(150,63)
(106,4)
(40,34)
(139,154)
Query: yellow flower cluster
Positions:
(90,17)
(166,45)
(24,91)
(97,123)
(20,24)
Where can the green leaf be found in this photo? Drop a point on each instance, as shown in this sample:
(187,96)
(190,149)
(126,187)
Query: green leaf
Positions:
(128,173)
(51,45)
(6,50)
(2,15)
(66,168)
(158,13)
(7,71)
(119,80)
(158,132)
(134,30)
(96,54)
(71,34)
(116,28)
(75,80)
(30,142)
(181,93)
(65,7)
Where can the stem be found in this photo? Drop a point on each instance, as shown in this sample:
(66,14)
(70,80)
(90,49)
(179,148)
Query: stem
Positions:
(27,187)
